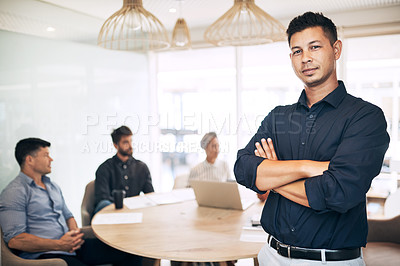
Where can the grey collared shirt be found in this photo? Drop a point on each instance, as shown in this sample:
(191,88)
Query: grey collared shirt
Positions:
(28,208)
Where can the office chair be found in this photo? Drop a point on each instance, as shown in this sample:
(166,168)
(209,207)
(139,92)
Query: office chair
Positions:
(392,206)
(181,181)
(383,247)
(87,206)
(9,258)
(87,212)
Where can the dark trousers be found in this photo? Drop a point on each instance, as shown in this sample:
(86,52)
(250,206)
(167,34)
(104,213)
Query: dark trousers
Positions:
(94,252)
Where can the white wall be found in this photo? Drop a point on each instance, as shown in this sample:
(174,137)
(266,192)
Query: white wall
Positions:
(72,95)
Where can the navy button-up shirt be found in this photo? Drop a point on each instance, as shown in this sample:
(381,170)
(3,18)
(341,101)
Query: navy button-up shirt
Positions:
(342,129)
(133,176)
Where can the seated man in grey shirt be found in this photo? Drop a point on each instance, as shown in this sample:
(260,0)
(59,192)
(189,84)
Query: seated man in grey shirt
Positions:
(36,221)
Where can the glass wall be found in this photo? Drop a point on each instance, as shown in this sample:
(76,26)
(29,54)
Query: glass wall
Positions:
(72,95)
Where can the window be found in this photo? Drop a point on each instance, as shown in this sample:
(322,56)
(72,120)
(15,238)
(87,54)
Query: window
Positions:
(196,95)
(199,91)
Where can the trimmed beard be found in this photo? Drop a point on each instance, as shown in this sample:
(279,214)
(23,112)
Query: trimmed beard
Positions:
(124,153)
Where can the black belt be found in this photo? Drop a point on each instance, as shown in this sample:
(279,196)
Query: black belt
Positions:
(313,254)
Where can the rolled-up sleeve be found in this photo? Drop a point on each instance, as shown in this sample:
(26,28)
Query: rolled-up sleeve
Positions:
(245,168)
(12,212)
(356,162)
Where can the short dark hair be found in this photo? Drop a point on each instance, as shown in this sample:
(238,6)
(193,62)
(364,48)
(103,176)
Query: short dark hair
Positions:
(27,147)
(119,132)
(309,20)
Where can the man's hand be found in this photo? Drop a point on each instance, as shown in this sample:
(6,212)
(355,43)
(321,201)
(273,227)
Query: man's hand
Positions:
(266,150)
(263,197)
(71,241)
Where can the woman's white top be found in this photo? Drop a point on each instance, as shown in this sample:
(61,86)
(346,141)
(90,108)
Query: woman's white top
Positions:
(218,171)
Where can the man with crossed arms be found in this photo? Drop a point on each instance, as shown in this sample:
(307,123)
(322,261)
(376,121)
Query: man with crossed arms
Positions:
(317,157)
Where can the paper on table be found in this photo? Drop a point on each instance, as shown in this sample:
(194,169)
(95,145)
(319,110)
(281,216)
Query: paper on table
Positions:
(175,196)
(253,234)
(153,199)
(118,218)
(163,198)
(184,194)
(138,202)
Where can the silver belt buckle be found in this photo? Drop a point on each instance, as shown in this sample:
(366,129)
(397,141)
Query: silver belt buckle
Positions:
(287,247)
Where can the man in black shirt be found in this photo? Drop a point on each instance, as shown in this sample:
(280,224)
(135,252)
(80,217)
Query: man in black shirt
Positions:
(122,171)
(317,156)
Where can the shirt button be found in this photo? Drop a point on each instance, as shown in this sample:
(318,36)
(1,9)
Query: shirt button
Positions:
(311,116)
(302,143)
(292,229)
(124,166)
(126,188)
(126,177)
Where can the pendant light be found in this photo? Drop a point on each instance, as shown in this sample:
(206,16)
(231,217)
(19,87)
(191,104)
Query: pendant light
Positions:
(180,34)
(133,28)
(244,24)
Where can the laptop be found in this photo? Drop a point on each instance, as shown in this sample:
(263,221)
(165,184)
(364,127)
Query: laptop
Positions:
(220,195)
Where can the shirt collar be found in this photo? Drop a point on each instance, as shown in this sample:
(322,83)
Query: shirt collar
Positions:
(29,180)
(118,160)
(211,164)
(334,98)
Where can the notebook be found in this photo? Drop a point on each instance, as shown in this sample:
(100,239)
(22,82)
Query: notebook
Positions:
(220,195)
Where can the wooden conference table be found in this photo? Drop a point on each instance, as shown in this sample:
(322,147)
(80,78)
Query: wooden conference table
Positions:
(182,232)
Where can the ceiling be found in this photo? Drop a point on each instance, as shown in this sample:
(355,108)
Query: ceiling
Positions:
(81,20)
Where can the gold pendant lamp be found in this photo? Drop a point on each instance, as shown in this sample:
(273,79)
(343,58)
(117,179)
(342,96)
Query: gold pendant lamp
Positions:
(244,24)
(133,28)
(180,34)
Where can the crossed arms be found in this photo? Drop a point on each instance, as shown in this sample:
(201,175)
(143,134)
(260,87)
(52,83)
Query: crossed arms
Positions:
(285,177)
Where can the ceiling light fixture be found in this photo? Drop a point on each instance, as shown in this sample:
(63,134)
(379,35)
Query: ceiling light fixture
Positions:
(133,28)
(244,24)
(180,34)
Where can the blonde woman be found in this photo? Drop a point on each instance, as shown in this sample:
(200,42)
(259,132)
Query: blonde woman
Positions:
(211,169)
